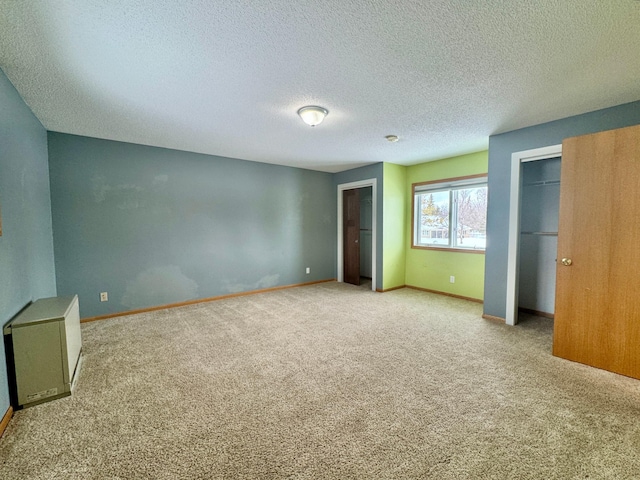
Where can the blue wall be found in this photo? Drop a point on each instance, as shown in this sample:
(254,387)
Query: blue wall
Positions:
(153,226)
(500,149)
(26,246)
(365,173)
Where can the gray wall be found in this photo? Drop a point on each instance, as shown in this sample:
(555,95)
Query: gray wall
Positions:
(153,226)
(500,149)
(355,175)
(26,246)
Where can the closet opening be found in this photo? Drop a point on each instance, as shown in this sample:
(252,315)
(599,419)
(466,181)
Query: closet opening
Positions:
(533,231)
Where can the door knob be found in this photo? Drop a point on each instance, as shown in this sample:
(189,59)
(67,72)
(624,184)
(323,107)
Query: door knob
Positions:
(356,241)
(566,262)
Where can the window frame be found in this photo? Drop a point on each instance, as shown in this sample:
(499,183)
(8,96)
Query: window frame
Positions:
(447,184)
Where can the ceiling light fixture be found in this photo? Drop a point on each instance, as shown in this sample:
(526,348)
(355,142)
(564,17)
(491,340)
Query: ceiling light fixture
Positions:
(312,115)
(392,138)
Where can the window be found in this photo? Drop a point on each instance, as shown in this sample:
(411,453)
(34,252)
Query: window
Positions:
(451,214)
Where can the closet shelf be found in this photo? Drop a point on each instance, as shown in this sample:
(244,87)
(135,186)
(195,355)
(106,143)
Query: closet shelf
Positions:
(547,234)
(541,183)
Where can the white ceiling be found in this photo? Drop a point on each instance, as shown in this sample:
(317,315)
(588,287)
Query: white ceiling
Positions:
(227,77)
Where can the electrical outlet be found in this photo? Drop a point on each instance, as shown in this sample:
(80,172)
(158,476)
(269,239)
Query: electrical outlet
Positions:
(104,297)
(308,270)
(452,279)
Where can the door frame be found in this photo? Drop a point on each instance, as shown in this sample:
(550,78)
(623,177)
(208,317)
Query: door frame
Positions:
(373,183)
(513,251)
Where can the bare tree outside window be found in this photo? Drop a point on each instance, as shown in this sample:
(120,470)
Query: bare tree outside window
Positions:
(434,218)
(452,217)
(472,216)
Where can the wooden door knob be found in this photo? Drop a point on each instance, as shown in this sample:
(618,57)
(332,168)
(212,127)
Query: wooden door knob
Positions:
(566,262)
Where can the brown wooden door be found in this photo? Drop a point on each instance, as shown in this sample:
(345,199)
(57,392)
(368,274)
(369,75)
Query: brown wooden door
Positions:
(597,318)
(351,235)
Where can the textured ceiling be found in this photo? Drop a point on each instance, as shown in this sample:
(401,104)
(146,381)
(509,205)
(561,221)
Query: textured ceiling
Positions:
(227,77)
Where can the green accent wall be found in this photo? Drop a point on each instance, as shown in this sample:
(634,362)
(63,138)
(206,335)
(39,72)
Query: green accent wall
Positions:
(431,269)
(394,214)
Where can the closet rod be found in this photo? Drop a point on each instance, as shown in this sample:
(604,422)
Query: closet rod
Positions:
(547,234)
(541,183)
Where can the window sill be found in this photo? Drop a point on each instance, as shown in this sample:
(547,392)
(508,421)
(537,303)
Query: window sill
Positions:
(448,249)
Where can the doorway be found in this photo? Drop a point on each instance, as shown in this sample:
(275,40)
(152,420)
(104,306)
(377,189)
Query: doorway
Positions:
(366,257)
(518,159)
(539,210)
(364,230)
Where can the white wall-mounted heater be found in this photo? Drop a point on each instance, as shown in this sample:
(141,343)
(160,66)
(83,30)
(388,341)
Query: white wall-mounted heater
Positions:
(43,345)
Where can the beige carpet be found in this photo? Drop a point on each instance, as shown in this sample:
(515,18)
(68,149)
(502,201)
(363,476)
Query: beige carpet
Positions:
(329,381)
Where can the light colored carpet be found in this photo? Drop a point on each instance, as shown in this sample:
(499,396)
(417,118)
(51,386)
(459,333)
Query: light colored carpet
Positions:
(329,381)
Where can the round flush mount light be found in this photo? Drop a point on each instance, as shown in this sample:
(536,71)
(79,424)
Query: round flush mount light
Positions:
(312,114)
(392,138)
